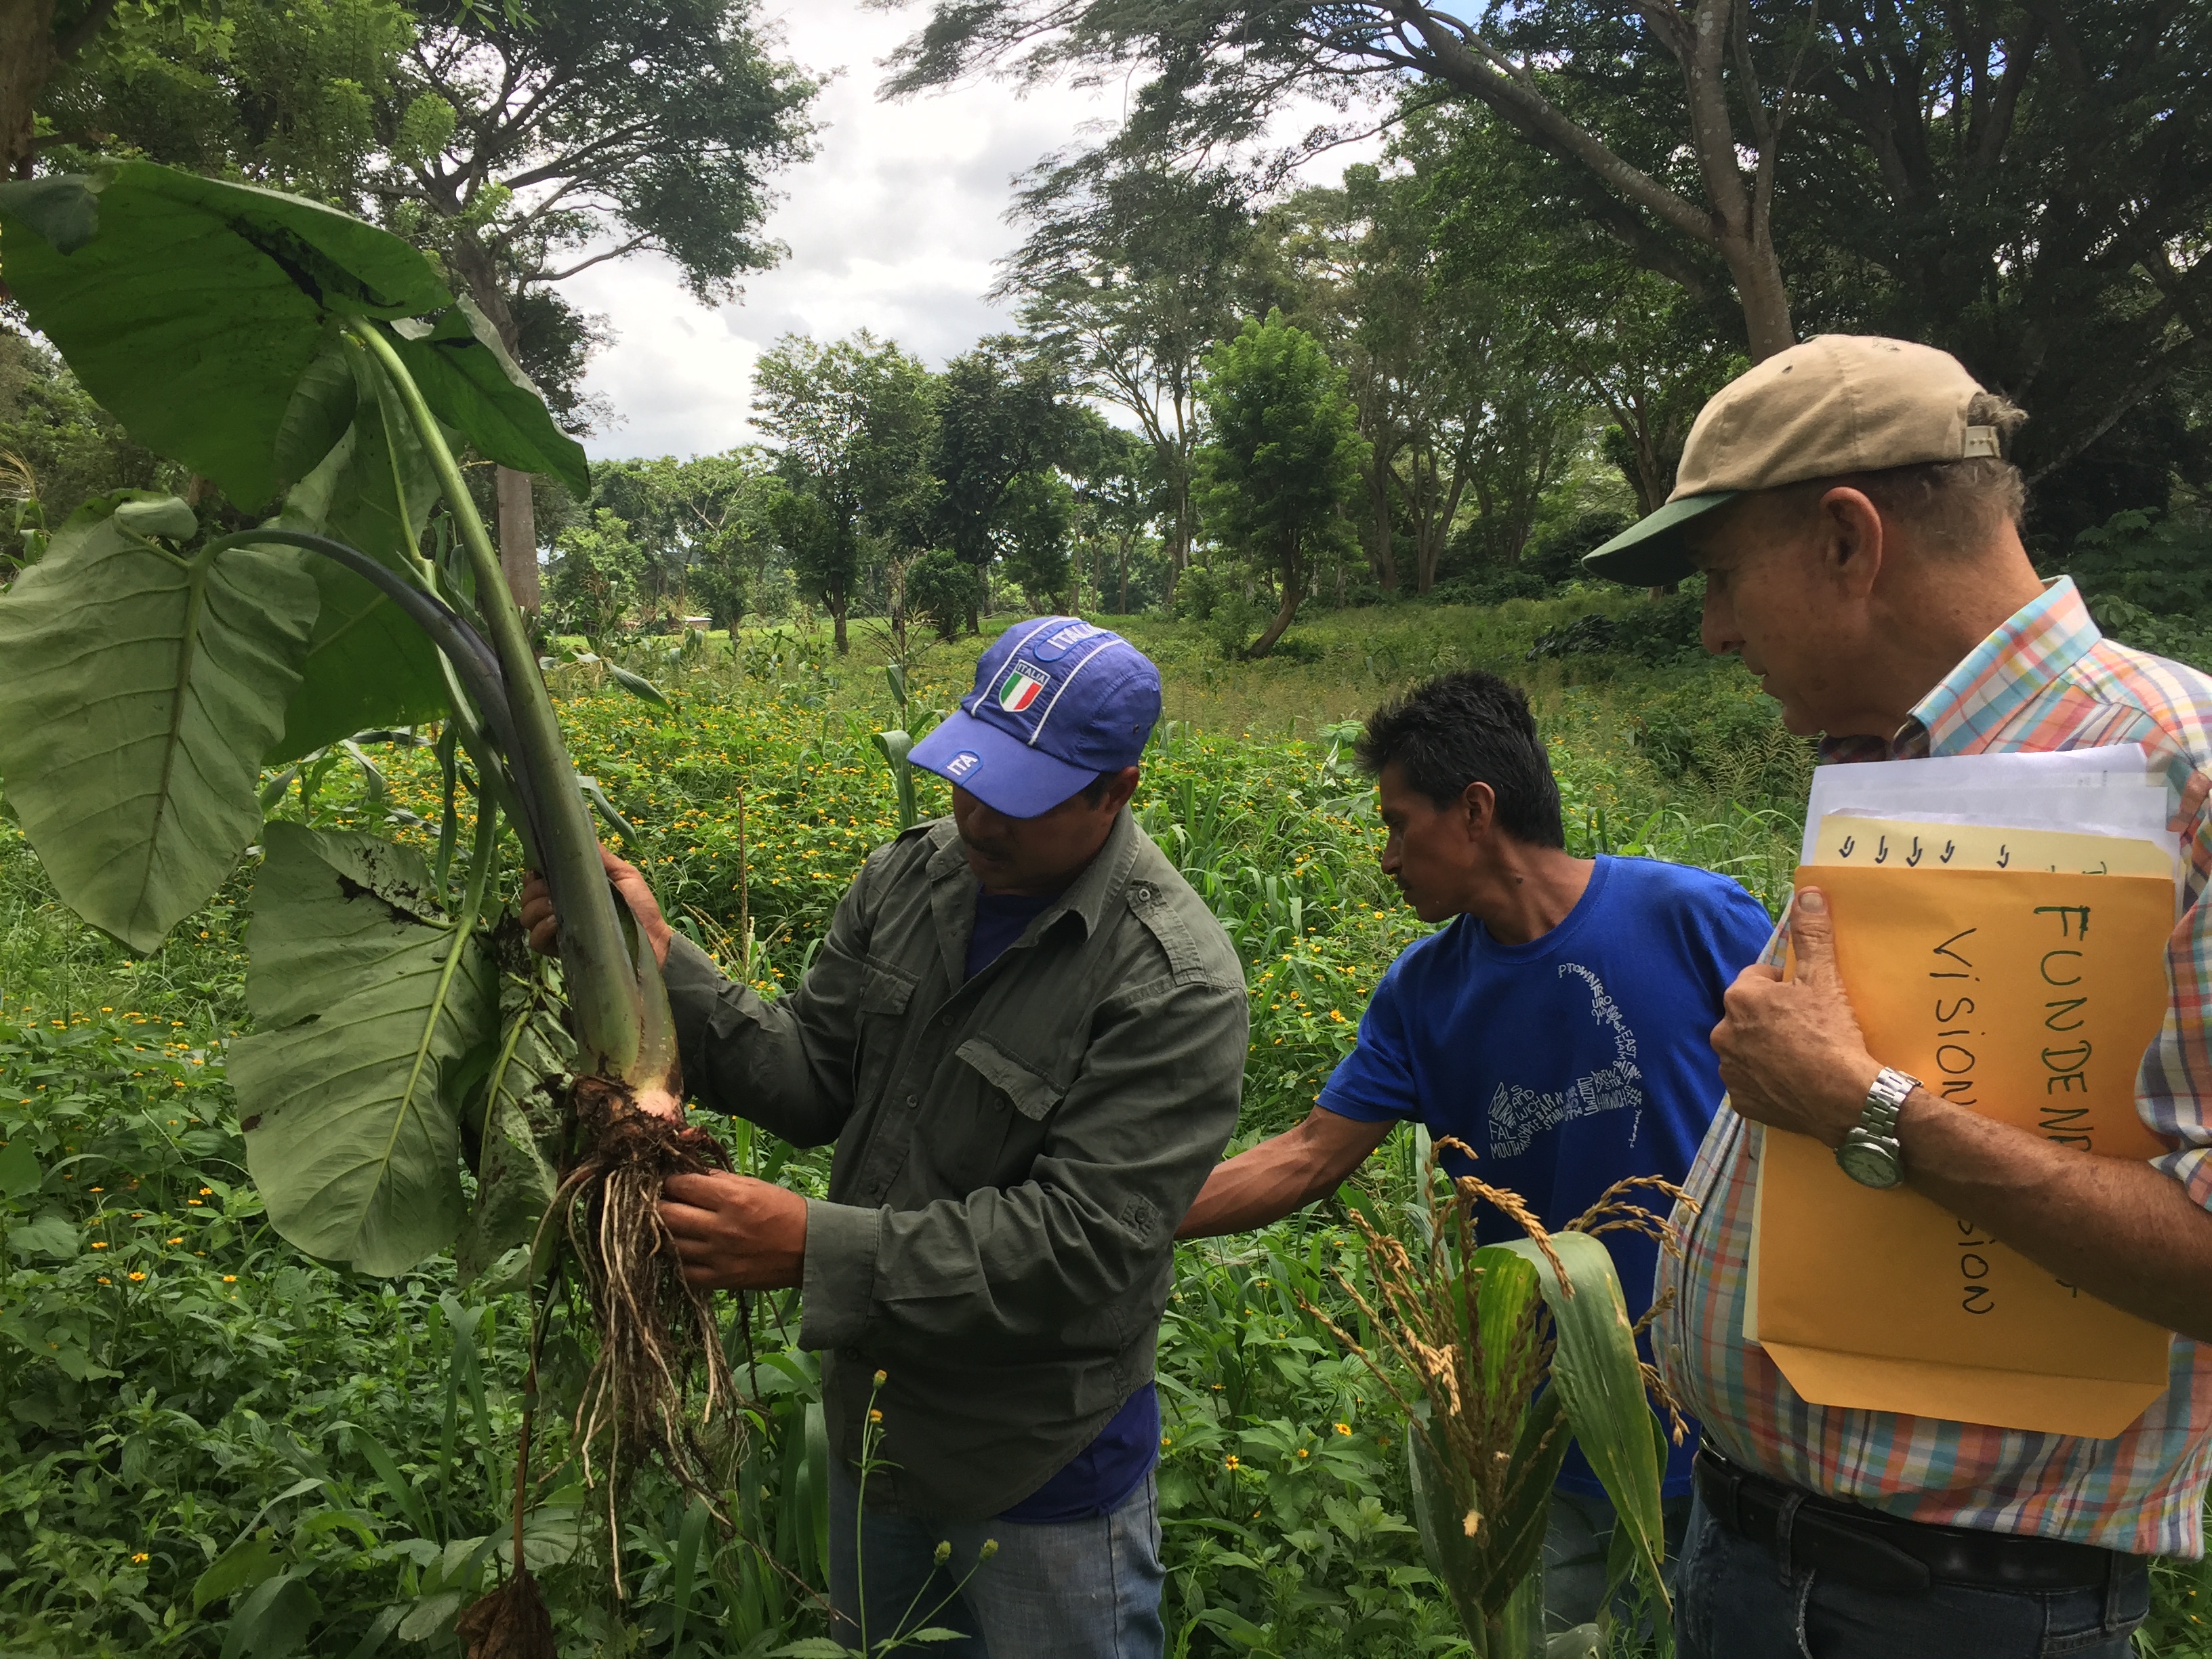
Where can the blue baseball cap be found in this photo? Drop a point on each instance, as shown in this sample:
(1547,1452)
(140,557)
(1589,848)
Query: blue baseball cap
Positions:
(1057,701)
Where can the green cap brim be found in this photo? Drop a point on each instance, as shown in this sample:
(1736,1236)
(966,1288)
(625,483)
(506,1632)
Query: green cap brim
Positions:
(1651,552)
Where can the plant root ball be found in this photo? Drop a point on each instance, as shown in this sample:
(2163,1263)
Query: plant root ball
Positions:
(510,1623)
(656,1332)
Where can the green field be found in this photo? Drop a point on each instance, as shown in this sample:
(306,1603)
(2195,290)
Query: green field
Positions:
(195,1419)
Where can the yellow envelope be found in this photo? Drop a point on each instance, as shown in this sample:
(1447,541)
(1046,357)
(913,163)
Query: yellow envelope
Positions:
(2030,996)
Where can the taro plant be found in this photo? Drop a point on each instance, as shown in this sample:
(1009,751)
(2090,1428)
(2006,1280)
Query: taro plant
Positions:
(1504,1354)
(320,375)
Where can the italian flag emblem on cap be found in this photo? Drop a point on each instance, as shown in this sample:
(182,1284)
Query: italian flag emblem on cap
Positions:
(1017,691)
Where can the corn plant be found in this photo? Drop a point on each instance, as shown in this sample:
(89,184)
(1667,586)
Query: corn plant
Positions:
(1504,1354)
(298,359)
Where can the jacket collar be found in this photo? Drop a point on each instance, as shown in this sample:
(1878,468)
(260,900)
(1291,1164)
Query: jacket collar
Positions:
(953,885)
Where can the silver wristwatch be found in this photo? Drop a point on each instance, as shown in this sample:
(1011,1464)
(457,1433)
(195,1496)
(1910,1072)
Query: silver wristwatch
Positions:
(1870,1154)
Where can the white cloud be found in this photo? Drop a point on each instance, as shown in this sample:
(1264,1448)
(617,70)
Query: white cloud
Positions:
(895,226)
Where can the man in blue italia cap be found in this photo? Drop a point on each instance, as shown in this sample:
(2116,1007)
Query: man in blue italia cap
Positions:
(1025,1035)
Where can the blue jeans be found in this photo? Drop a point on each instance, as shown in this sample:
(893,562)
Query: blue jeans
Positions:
(1734,1600)
(1067,1589)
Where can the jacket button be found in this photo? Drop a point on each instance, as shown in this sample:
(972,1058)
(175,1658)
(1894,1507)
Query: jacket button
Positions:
(1145,894)
(910,1101)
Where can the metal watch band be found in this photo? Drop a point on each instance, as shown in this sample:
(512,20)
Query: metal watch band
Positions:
(1885,1099)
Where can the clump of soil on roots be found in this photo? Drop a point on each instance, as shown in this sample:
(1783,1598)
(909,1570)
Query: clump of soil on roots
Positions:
(654,1328)
(510,1623)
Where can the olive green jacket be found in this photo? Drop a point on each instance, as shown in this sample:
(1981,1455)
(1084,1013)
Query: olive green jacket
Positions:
(1013,1154)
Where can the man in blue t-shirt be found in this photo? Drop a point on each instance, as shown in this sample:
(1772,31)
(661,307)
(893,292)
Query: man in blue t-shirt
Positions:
(1559,1024)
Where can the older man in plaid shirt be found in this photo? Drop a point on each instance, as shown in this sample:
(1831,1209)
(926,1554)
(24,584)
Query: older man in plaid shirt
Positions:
(1858,524)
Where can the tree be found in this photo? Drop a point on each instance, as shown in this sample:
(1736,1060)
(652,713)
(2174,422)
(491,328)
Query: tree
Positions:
(1003,414)
(1545,320)
(1040,521)
(286,96)
(2024,182)
(940,586)
(1128,271)
(701,523)
(1282,455)
(523,146)
(1117,494)
(43,42)
(853,423)
(595,577)
(576,133)
(1221,64)
(58,447)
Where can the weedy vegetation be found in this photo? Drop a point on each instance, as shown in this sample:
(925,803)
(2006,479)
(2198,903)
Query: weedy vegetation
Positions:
(334,1315)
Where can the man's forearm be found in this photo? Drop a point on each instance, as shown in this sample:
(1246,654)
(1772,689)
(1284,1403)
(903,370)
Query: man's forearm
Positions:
(1250,1190)
(1282,1174)
(2120,1230)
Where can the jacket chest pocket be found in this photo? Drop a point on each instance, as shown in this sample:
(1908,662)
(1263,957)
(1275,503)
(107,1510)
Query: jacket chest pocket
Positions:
(1029,1091)
(1009,1112)
(884,994)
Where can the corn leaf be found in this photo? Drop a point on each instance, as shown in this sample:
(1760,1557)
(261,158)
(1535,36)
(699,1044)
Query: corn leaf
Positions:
(144,691)
(347,1087)
(1503,1311)
(1516,1541)
(1595,1374)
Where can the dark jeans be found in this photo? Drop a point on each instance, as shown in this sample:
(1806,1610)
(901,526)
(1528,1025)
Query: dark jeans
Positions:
(1734,1600)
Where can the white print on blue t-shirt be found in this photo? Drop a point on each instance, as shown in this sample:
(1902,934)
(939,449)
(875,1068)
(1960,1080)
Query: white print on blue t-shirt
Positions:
(1519,1115)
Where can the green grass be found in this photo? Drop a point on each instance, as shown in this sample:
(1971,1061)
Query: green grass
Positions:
(296,1440)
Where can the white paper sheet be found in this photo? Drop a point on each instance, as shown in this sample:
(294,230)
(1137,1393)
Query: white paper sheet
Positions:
(2109,791)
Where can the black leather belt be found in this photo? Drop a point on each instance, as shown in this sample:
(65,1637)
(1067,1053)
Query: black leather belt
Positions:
(1878,1552)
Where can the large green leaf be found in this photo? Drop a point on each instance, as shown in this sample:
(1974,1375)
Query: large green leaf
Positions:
(470,382)
(353,1129)
(193,308)
(515,1176)
(367,664)
(142,690)
(1595,1374)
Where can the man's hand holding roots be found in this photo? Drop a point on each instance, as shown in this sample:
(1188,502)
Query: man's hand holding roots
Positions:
(731,1232)
(1790,1051)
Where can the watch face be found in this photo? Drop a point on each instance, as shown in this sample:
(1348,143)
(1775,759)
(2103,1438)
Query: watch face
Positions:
(1869,1163)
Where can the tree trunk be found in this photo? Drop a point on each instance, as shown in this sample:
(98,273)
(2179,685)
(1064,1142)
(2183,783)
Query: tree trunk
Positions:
(837,604)
(1125,577)
(28,61)
(1383,555)
(1293,590)
(1734,223)
(518,512)
(518,537)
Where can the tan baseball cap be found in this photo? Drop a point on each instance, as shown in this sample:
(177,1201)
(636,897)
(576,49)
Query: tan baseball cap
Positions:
(1836,404)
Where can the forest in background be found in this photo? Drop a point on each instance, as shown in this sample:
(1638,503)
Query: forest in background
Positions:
(1229,392)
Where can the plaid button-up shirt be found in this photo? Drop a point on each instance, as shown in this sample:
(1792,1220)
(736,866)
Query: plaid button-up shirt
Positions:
(2045,680)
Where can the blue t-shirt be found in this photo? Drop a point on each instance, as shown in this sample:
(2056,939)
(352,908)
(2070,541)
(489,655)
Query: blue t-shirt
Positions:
(1106,1471)
(1568,1063)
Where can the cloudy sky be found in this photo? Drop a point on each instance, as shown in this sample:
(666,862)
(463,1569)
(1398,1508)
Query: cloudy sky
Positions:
(893,226)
